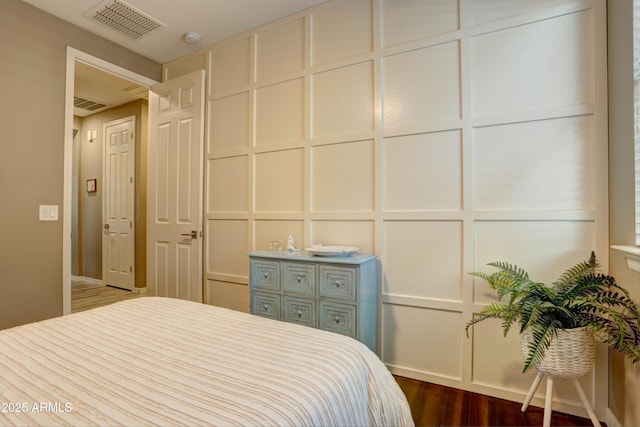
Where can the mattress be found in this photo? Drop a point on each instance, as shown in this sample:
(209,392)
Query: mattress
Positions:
(160,361)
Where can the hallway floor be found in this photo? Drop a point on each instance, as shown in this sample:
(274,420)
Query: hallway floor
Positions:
(85,295)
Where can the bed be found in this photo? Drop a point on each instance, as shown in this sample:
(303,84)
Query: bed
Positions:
(161,361)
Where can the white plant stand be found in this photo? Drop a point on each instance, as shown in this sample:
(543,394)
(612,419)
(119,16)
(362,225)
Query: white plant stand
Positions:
(547,401)
(571,355)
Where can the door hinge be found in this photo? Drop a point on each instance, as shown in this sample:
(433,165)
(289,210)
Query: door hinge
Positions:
(130,269)
(130,224)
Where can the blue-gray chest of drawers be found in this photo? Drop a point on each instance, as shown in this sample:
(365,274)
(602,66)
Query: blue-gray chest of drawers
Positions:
(336,294)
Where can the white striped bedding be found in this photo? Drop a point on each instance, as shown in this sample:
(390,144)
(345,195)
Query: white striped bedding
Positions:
(159,361)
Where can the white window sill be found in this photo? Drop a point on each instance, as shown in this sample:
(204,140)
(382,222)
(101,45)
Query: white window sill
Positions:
(632,254)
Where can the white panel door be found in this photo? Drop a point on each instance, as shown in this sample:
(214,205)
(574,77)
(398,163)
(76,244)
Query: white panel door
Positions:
(174,222)
(118,240)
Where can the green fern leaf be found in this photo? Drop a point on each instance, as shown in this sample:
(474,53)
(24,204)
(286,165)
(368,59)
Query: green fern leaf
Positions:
(578,270)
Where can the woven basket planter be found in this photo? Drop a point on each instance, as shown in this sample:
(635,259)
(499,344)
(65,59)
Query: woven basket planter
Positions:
(571,354)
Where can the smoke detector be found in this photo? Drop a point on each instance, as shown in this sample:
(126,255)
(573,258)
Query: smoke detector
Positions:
(192,38)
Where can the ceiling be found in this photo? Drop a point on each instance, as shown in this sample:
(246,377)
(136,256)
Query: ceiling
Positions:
(96,90)
(213,20)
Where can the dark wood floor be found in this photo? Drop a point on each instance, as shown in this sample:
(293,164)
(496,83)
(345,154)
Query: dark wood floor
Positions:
(436,405)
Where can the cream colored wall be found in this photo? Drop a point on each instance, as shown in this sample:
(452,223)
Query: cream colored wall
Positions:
(32,84)
(90,204)
(624,383)
(141,198)
(434,134)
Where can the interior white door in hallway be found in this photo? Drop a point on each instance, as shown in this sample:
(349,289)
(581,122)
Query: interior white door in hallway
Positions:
(118,240)
(175,185)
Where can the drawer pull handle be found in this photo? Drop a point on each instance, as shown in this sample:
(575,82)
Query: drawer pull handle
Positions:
(299,279)
(266,275)
(266,307)
(336,319)
(299,313)
(338,283)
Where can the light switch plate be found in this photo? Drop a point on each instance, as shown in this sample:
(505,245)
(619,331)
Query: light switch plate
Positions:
(48,212)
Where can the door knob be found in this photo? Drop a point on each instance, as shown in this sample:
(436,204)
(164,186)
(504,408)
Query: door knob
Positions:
(106,226)
(193,234)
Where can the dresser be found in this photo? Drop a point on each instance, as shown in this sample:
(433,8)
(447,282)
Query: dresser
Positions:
(337,294)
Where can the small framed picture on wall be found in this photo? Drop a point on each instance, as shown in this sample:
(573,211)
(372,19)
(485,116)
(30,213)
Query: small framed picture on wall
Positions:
(92,185)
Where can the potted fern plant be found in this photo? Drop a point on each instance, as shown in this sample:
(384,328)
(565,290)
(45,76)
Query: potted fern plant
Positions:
(582,302)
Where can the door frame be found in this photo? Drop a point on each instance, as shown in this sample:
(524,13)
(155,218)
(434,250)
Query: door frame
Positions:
(73,56)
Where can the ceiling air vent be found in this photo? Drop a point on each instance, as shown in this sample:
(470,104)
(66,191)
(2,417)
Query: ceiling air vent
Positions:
(87,104)
(123,18)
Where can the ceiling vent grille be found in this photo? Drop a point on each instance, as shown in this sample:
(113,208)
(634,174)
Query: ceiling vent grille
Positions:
(138,91)
(87,104)
(123,18)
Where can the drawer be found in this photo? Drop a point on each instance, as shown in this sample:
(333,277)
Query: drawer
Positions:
(338,282)
(299,278)
(340,318)
(302,311)
(265,305)
(265,275)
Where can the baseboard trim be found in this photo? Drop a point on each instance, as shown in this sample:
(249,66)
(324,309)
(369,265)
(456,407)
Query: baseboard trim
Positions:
(92,281)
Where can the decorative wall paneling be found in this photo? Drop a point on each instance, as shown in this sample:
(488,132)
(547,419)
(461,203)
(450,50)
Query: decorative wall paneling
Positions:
(440,135)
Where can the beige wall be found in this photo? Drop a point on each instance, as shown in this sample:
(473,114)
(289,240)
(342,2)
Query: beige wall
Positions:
(433,134)
(90,165)
(32,86)
(624,384)
(32,79)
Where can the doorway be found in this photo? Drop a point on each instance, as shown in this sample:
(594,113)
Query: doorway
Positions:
(78,58)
